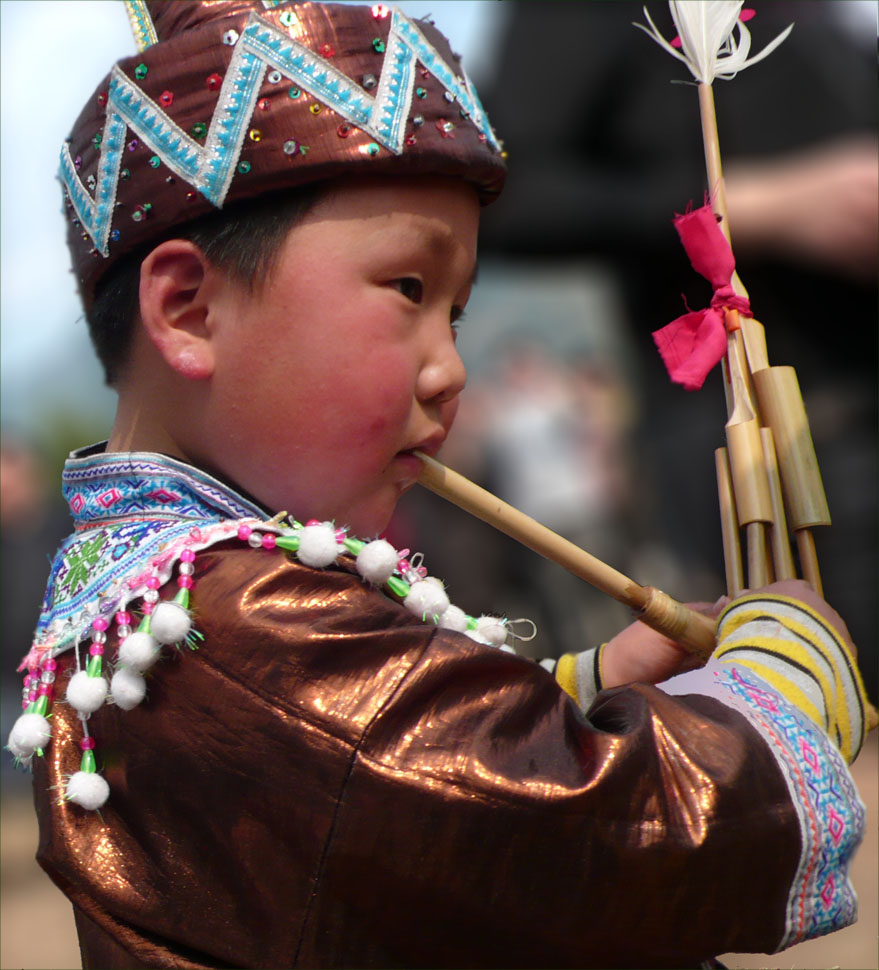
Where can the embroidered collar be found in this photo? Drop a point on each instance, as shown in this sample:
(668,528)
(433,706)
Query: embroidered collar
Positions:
(133,514)
(137,516)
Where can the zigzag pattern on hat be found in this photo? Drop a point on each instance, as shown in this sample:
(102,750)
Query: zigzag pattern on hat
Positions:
(211,167)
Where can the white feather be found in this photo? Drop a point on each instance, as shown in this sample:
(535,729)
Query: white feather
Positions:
(714,42)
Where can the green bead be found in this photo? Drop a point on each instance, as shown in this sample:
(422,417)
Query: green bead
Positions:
(41,706)
(290,543)
(354,546)
(88,762)
(182,597)
(94,666)
(144,625)
(399,587)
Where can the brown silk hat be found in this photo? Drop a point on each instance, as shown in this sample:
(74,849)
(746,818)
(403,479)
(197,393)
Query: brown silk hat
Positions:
(227,101)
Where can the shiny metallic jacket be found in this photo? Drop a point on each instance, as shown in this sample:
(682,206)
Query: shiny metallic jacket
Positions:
(328,782)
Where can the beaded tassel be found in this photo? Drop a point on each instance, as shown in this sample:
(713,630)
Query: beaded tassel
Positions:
(319,544)
(31,732)
(316,544)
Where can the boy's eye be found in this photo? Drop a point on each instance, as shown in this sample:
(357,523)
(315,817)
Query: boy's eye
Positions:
(410,287)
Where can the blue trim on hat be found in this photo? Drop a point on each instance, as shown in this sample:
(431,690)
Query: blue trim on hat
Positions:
(231,117)
(141,24)
(182,154)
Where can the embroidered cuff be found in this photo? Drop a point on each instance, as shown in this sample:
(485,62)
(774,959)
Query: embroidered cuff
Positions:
(794,649)
(579,675)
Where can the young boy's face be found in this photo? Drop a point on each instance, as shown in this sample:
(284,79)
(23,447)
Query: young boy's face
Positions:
(330,375)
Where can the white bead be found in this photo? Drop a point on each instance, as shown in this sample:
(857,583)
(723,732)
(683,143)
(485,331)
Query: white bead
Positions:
(377,561)
(151,596)
(127,688)
(454,618)
(427,599)
(170,623)
(492,629)
(30,731)
(317,545)
(140,650)
(86,693)
(87,789)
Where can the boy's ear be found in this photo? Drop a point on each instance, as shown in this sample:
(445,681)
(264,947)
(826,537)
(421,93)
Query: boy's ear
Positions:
(175,290)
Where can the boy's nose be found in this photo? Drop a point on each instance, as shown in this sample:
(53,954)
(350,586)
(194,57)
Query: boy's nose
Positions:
(443,375)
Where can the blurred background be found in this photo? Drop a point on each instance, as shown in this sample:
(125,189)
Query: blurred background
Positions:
(568,414)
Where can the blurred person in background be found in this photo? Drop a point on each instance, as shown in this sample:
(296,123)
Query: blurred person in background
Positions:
(798,140)
(33,521)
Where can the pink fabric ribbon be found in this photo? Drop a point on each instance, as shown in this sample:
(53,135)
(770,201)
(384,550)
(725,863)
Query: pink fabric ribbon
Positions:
(695,343)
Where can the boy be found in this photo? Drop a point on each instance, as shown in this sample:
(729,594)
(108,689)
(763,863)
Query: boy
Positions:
(348,772)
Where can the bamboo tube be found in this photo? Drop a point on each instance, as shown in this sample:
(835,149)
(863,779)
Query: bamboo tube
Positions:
(782,558)
(729,525)
(693,631)
(781,405)
(809,560)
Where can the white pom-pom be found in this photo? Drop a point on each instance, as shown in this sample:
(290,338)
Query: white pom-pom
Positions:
(170,623)
(427,599)
(492,630)
(377,561)
(454,618)
(139,650)
(317,545)
(127,688)
(30,731)
(87,789)
(86,693)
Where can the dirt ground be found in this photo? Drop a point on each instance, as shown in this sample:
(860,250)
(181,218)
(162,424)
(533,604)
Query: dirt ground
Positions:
(37,932)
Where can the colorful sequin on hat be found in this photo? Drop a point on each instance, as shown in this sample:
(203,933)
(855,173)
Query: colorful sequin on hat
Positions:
(214,82)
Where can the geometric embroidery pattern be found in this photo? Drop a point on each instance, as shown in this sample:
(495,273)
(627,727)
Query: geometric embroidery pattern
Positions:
(832,816)
(210,167)
(133,517)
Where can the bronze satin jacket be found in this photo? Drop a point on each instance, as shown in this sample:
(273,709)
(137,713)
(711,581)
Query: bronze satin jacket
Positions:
(328,782)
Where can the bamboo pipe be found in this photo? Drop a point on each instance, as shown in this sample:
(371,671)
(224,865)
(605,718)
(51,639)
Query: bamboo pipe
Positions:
(729,525)
(782,558)
(693,631)
(781,404)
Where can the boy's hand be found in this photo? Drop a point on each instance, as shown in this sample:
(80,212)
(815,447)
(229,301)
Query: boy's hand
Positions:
(639,654)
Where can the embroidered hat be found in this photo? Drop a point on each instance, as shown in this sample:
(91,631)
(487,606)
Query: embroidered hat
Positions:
(230,100)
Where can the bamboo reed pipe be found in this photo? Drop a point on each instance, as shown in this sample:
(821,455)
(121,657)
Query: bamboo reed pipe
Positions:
(782,558)
(693,631)
(781,404)
(729,525)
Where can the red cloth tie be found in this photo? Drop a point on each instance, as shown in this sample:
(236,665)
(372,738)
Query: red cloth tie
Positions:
(695,343)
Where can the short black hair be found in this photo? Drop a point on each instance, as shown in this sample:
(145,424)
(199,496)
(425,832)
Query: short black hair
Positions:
(243,240)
